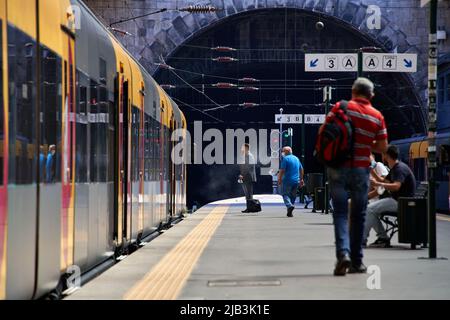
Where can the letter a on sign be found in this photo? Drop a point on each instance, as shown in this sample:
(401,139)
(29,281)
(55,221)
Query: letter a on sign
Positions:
(348,62)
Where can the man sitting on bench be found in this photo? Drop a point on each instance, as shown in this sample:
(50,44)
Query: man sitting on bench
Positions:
(400,182)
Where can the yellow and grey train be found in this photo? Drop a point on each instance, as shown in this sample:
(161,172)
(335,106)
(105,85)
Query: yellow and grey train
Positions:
(85,144)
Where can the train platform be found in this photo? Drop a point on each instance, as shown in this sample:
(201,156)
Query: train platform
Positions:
(220,253)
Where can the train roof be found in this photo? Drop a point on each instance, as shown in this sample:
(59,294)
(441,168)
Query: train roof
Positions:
(420,138)
(144,71)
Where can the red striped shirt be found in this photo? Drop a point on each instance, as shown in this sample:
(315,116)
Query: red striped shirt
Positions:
(368,125)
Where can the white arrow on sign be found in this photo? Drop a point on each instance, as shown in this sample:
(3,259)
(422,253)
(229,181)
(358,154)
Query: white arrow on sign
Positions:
(390,62)
(331,62)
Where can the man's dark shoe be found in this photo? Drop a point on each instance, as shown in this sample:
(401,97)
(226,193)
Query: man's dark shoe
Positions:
(360,268)
(245,211)
(342,265)
(289,211)
(381,243)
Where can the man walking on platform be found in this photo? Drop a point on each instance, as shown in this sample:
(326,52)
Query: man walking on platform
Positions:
(351,178)
(290,177)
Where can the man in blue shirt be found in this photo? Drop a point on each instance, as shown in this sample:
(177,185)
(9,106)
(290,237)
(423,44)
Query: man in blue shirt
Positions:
(289,178)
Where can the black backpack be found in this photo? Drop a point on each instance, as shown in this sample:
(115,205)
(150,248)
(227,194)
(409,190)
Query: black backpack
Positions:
(334,144)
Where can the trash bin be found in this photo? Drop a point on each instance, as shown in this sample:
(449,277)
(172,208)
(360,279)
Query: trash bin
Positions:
(412,221)
(319,199)
(313,181)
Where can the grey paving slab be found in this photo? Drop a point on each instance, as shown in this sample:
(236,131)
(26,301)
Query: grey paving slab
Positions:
(299,253)
(116,281)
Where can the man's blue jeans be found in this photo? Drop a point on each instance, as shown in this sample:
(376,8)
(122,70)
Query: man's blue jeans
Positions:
(345,183)
(289,193)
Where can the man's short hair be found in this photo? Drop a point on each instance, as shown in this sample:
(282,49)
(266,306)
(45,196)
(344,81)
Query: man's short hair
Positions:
(246,145)
(393,152)
(363,87)
(288,149)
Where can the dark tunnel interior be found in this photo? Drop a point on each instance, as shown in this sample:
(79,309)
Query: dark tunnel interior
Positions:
(270,47)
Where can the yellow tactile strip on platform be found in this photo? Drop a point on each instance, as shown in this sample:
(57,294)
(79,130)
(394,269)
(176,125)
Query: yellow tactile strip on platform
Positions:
(166,280)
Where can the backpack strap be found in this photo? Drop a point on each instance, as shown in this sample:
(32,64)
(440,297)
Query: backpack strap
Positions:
(344,105)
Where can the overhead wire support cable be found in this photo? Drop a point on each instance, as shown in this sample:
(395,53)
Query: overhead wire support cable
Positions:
(196,109)
(199,91)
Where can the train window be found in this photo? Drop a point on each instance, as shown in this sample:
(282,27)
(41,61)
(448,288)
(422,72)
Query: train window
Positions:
(156,164)
(93,132)
(111,140)
(135,144)
(50,122)
(2,120)
(152,143)
(22,114)
(146,148)
(81,129)
(102,65)
(102,132)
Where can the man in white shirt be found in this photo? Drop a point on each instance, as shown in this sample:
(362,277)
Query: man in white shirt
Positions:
(380,169)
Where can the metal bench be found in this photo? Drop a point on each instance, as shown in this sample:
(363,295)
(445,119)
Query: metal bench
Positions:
(389,218)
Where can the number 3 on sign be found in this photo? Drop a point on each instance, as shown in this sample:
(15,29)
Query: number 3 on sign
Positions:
(331,63)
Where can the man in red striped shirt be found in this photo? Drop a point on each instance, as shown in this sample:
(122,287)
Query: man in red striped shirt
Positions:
(352,178)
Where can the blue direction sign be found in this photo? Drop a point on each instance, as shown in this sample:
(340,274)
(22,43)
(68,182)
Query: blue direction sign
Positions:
(331,62)
(390,62)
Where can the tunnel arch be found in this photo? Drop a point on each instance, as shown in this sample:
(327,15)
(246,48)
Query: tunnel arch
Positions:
(397,95)
(407,98)
(165,33)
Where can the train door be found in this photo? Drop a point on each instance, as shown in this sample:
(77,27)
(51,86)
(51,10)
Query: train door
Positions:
(20,229)
(122,179)
(162,166)
(135,172)
(68,142)
(141,159)
(56,150)
(172,169)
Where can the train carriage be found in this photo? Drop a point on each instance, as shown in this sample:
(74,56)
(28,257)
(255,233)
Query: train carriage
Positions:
(85,132)
(414,150)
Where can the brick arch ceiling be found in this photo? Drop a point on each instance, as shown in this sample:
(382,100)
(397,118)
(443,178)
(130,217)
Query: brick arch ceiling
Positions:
(351,14)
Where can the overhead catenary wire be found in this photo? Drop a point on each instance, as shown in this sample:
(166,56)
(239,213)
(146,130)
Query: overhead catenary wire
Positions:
(196,109)
(115,6)
(195,89)
(205,75)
